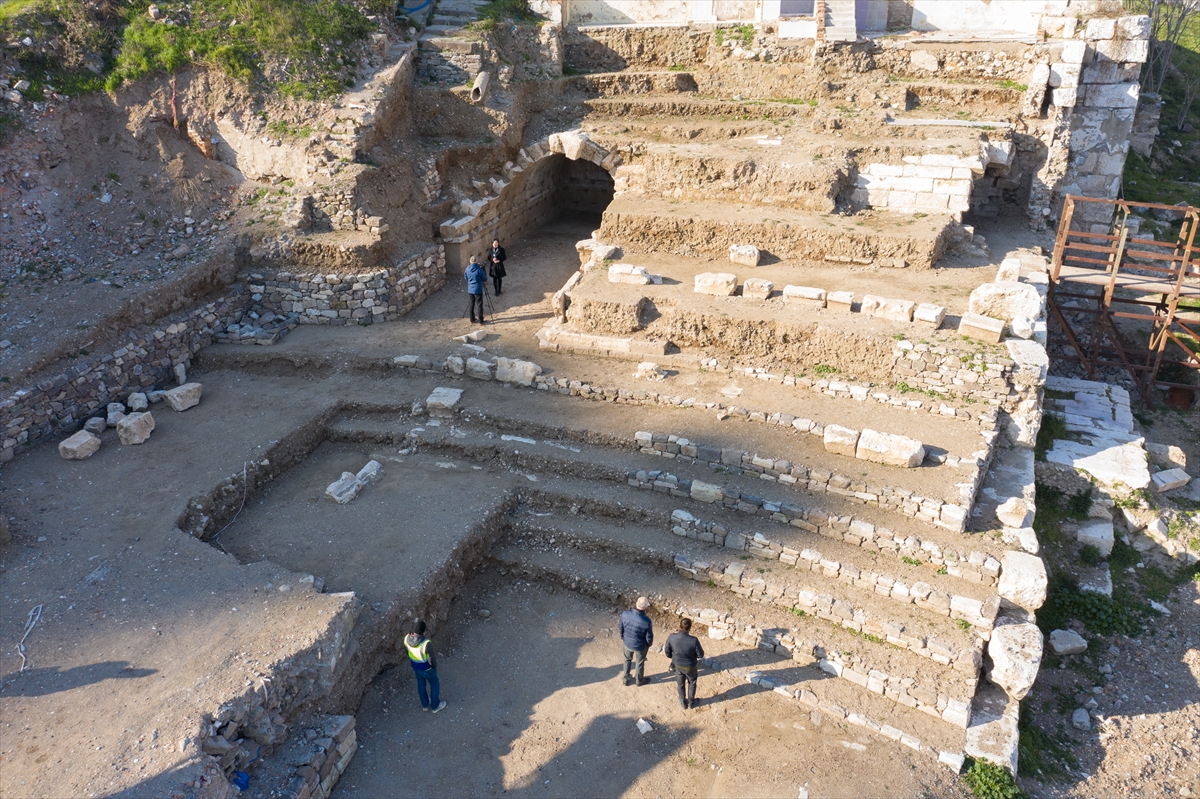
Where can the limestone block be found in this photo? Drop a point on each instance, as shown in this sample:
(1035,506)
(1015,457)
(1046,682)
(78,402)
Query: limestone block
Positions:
(1111,95)
(455,365)
(479,369)
(1015,512)
(929,314)
(889,449)
(994,737)
(1016,654)
(183,397)
(1167,456)
(1073,52)
(721,284)
(369,473)
(924,60)
(1100,29)
(1041,74)
(1009,271)
(1065,76)
(1031,360)
(983,328)
(1023,580)
(1134,27)
(757,289)
(1022,327)
(443,401)
(706,492)
(649,370)
(116,412)
(1099,534)
(135,428)
(841,440)
(840,301)
(891,310)
(137,401)
(78,447)
(627,273)
(584,248)
(744,254)
(1005,300)
(96,425)
(1067,642)
(516,371)
(1065,96)
(1130,51)
(344,489)
(1169,479)
(804,294)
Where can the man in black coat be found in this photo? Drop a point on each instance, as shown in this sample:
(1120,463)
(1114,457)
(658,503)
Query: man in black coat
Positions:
(637,634)
(685,652)
(496,256)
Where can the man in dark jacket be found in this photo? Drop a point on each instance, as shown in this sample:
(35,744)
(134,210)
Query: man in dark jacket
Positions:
(496,257)
(476,283)
(637,634)
(685,652)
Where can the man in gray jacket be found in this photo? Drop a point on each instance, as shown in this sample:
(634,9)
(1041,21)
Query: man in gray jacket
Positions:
(637,634)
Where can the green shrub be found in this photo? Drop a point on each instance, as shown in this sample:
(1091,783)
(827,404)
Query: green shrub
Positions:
(989,781)
(1053,426)
(1090,554)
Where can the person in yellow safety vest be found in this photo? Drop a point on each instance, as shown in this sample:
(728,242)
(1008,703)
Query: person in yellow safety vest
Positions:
(424,664)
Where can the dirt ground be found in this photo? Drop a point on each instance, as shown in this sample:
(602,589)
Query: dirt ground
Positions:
(535,707)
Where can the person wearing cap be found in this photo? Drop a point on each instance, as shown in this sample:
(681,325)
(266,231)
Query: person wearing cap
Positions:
(424,664)
(637,634)
(685,652)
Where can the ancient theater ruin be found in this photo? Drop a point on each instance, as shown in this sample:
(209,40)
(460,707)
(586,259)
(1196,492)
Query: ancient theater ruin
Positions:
(793,287)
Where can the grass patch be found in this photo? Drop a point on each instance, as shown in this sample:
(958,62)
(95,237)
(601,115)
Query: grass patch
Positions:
(1100,614)
(1053,427)
(1055,394)
(1090,554)
(822,369)
(1040,754)
(1012,84)
(511,10)
(989,781)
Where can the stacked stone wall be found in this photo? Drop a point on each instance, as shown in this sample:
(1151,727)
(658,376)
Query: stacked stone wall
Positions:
(336,299)
(61,402)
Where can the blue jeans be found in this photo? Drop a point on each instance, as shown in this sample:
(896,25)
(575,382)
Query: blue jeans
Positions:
(428,676)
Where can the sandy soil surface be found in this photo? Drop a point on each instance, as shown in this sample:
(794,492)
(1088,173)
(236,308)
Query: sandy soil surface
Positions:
(536,708)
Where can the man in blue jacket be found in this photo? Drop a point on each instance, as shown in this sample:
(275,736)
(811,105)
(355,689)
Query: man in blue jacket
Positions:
(476,281)
(637,634)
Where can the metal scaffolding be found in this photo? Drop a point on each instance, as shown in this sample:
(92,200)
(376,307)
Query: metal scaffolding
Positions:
(1110,276)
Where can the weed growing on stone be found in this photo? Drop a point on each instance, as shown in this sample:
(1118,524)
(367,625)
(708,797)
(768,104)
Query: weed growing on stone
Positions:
(1041,754)
(1053,426)
(963,624)
(1090,554)
(911,561)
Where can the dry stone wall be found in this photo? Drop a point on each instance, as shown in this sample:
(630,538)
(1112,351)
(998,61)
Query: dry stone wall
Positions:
(60,403)
(380,295)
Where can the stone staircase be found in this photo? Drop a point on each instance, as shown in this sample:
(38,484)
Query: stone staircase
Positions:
(445,54)
(840,21)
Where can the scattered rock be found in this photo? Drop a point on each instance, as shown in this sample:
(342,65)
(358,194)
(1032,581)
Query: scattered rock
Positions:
(649,370)
(369,473)
(720,284)
(183,397)
(804,294)
(1166,456)
(443,401)
(116,412)
(930,314)
(137,401)
(1170,479)
(644,726)
(889,449)
(1016,654)
(744,254)
(627,273)
(78,447)
(1006,300)
(757,289)
(1022,327)
(180,373)
(1015,512)
(1023,580)
(1067,642)
(1080,719)
(841,440)
(522,373)
(981,327)
(479,369)
(96,425)
(135,428)
(344,489)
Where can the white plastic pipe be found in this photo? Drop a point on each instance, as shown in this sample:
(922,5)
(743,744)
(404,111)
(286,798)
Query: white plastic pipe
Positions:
(480,87)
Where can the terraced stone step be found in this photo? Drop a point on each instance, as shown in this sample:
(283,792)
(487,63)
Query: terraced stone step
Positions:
(679,109)
(813,592)
(707,228)
(877,680)
(613,84)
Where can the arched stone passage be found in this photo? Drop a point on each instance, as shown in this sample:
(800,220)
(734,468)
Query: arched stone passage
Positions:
(567,173)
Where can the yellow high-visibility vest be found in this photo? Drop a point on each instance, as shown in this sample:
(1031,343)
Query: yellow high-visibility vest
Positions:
(417,653)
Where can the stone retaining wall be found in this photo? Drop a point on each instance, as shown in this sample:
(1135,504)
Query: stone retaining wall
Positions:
(331,755)
(60,403)
(332,299)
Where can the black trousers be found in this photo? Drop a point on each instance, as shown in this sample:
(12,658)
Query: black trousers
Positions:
(686,675)
(476,299)
(497,281)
